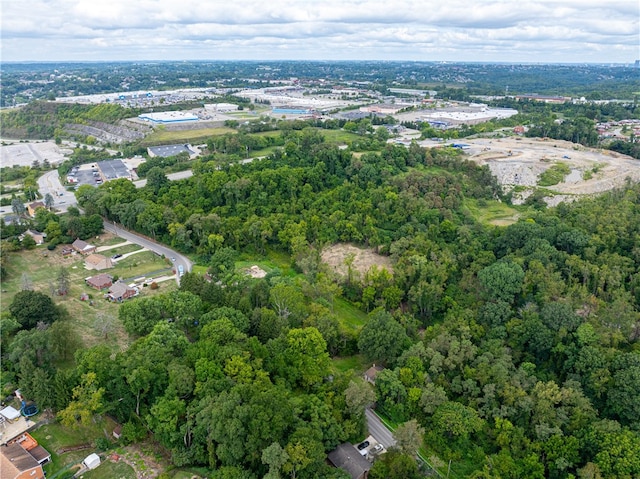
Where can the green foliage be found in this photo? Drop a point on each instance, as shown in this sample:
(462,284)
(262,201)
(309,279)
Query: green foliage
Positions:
(382,339)
(32,307)
(554,175)
(502,280)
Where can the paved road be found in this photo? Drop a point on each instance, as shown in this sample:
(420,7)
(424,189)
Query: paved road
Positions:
(50,183)
(151,245)
(378,430)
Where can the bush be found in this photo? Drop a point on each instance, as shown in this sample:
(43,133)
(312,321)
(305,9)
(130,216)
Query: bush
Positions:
(154,285)
(103,444)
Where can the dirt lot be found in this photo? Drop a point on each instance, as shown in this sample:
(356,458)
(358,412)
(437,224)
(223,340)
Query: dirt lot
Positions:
(364,259)
(517,162)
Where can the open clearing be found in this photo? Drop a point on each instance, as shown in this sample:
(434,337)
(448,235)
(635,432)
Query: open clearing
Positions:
(24,154)
(364,259)
(518,162)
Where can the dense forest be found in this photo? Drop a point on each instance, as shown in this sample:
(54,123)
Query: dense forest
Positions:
(511,351)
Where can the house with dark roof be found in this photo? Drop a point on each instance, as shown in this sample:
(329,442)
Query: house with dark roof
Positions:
(99,281)
(348,458)
(17,463)
(83,247)
(371,374)
(33,207)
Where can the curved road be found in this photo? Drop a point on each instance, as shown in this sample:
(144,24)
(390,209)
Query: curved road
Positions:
(150,245)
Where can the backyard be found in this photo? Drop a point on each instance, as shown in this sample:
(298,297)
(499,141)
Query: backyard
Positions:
(93,318)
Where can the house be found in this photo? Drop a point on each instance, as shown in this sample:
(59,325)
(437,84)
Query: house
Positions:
(519,130)
(18,463)
(67,251)
(32,207)
(99,281)
(371,373)
(36,235)
(97,262)
(29,444)
(347,458)
(120,291)
(83,247)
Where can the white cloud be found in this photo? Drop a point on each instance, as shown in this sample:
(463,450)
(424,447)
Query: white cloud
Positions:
(498,30)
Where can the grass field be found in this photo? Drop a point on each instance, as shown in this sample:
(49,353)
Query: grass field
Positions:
(493,212)
(161,136)
(42,267)
(111,470)
(349,316)
(357,363)
(53,437)
(339,137)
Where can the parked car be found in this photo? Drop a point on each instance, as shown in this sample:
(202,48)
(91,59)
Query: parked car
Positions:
(116,256)
(363,445)
(377,449)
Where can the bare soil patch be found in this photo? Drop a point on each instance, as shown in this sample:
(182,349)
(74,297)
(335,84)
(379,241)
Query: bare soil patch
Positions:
(334,256)
(518,162)
(255,271)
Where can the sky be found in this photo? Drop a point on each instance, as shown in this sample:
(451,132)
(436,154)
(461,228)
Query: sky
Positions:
(542,31)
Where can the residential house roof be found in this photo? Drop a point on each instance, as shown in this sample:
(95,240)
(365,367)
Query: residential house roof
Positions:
(100,281)
(40,454)
(347,457)
(32,207)
(97,261)
(36,235)
(119,289)
(82,246)
(16,460)
(371,373)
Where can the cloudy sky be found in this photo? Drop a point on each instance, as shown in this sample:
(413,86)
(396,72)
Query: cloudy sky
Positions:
(549,31)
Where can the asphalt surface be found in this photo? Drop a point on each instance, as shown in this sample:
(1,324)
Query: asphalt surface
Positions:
(378,430)
(150,245)
(50,183)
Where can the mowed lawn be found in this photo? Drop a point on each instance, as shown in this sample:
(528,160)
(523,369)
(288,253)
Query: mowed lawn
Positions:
(55,438)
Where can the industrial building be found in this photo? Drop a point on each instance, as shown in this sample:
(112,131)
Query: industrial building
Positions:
(168,117)
(170,150)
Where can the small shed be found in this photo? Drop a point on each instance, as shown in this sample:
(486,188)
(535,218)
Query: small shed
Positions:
(91,461)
